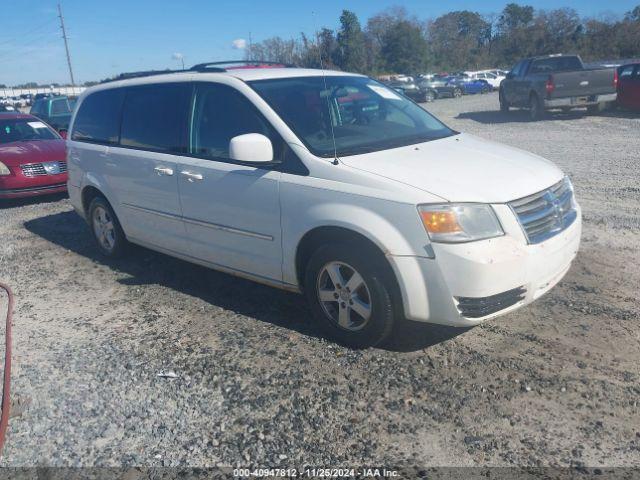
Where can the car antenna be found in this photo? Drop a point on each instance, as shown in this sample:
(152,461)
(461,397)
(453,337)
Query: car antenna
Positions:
(324,80)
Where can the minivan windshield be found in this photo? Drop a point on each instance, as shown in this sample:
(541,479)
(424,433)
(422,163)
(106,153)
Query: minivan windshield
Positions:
(363,115)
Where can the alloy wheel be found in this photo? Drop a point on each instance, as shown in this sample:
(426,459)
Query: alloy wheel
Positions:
(344,296)
(104,228)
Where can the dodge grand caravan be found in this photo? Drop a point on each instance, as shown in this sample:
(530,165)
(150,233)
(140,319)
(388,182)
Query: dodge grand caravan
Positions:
(324,183)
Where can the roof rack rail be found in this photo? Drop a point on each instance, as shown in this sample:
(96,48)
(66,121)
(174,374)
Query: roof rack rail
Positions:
(219,66)
(147,73)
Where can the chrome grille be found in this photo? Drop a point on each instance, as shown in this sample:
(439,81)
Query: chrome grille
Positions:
(546,213)
(46,168)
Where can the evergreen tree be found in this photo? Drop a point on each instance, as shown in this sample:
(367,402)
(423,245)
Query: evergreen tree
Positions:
(350,54)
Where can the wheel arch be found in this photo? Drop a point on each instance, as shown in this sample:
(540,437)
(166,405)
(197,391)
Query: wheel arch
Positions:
(322,235)
(88,194)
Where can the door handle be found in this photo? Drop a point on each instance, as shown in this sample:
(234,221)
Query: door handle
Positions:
(190,176)
(163,171)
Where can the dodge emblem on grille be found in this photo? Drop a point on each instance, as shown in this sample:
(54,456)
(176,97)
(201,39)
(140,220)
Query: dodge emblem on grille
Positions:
(554,201)
(52,168)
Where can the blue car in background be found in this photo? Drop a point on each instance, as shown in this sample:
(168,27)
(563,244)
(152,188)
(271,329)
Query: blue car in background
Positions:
(470,86)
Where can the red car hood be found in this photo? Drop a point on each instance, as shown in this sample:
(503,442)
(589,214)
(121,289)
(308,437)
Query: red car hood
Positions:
(16,153)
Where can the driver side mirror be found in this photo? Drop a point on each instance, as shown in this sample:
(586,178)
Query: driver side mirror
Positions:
(509,76)
(252,148)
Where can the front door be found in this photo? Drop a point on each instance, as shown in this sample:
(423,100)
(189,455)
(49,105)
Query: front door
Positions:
(231,211)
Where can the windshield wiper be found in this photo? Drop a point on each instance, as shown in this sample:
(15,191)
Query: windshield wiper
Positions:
(393,143)
(357,150)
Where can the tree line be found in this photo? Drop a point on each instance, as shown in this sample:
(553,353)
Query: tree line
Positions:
(394,41)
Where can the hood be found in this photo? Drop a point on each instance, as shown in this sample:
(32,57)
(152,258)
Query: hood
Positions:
(462,168)
(16,153)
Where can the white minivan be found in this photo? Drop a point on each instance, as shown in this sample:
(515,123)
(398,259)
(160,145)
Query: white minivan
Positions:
(324,183)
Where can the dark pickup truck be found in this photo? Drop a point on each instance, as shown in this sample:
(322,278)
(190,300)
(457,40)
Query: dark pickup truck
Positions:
(56,111)
(557,82)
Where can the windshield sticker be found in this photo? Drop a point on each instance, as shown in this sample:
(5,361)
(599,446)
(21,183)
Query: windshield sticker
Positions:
(384,93)
(36,125)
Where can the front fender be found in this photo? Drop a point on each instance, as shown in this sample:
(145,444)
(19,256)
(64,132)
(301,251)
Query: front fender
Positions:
(393,227)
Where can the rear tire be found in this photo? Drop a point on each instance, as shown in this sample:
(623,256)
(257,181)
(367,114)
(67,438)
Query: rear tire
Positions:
(596,109)
(350,295)
(106,229)
(536,109)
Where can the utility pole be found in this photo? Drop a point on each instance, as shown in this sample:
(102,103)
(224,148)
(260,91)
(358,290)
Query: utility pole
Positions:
(66,45)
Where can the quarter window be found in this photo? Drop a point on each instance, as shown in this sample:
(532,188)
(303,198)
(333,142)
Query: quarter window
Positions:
(98,119)
(221,113)
(154,117)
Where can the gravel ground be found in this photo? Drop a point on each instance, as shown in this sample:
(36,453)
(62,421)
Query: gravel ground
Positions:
(553,384)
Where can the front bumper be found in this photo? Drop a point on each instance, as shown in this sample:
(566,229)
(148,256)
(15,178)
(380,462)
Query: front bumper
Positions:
(33,191)
(18,185)
(503,273)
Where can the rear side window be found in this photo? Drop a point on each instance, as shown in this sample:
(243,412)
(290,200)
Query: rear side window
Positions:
(37,107)
(221,113)
(60,107)
(626,71)
(98,120)
(154,117)
(556,64)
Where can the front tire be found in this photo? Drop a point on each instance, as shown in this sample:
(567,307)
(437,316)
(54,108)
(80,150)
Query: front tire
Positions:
(106,229)
(350,295)
(504,105)
(457,93)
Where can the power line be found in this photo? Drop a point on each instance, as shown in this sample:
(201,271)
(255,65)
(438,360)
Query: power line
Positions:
(20,50)
(28,32)
(66,45)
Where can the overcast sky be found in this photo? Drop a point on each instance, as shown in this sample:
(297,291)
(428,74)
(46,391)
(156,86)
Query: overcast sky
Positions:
(114,36)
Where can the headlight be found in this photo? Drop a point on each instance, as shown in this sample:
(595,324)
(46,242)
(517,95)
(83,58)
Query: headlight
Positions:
(460,222)
(4,170)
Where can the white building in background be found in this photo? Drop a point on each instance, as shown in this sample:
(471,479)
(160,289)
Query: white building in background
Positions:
(69,91)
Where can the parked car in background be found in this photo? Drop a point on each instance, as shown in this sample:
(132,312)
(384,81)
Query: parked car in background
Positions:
(472,86)
(402,78)
(489,77)
(6,108)
(556,82)
(325,183)
(56,111)
(32,157)
(629,86)
(442,86)
(414,91)
(500,74)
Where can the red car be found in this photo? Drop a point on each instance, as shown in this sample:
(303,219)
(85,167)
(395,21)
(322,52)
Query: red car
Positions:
(32,157)
(629,86)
